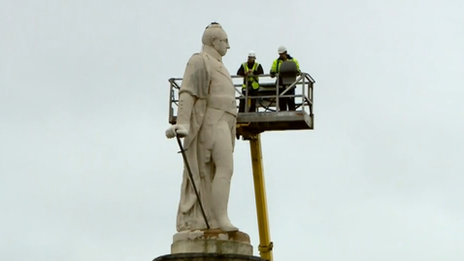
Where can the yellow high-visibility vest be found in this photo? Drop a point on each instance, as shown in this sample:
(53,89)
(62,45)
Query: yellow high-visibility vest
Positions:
(275,68)
(253,79)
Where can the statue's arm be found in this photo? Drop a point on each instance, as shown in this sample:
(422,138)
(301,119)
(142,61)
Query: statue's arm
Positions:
(195,78)
(186,102)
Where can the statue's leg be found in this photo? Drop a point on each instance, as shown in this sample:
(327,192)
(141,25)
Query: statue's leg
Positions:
(222,155)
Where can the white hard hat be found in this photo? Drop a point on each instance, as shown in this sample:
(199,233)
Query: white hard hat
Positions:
(282,49)
(251,54)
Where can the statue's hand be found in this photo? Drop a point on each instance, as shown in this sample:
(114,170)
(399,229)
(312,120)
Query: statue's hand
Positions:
(180,129)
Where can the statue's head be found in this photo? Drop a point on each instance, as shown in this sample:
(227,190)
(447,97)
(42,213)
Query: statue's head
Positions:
(216,37)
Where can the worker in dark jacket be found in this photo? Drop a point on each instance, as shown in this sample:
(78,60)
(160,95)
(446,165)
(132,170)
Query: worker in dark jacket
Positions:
(284,101)
(250,71)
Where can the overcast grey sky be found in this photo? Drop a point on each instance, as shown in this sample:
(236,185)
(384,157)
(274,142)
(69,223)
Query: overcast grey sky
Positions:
(86,172)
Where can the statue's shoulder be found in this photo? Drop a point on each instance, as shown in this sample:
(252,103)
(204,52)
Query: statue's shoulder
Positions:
(196,59)
(196,62)
(199,62)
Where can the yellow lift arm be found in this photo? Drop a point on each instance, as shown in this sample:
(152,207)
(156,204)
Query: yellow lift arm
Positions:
(265,244)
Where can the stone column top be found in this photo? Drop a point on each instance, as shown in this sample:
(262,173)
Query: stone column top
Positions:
(207,257)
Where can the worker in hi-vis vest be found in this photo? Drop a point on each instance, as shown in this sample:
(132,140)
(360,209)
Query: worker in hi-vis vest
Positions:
(275,68)
(250,71)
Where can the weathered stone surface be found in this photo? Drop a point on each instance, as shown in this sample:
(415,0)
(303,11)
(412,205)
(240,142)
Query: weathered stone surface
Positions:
(207,257)
(206,120)
(212,241)
(212,234)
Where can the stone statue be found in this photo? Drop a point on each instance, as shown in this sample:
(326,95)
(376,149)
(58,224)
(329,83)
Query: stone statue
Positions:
(206,120)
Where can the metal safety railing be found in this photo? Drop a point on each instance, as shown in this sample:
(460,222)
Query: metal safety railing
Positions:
(268,97)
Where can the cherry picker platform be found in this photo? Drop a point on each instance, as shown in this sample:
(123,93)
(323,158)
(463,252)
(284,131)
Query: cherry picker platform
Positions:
(267,117)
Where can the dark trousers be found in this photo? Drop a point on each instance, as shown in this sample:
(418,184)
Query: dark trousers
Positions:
(287,102)
(251,93)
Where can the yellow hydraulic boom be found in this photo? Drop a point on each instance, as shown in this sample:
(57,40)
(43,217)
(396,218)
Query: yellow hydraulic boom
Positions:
(265,244)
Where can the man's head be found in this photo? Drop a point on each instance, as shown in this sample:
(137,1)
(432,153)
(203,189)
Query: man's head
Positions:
(216,37)
(282,52)
(251,56)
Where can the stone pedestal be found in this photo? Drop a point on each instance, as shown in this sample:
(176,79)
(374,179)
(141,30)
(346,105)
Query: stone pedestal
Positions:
(212,241)
(207,257)
(210,245)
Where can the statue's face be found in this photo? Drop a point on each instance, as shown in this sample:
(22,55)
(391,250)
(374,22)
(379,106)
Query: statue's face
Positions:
(221,43)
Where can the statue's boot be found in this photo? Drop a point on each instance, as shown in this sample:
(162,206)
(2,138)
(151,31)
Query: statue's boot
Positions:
(220,199)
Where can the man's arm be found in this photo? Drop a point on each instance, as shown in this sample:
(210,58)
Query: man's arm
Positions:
(273,69)
(259,70)
(241,70)
(297,65)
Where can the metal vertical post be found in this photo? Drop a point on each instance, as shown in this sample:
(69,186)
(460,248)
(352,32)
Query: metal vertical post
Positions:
(303,97)
(277,94)
(246,95)
(171,92)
